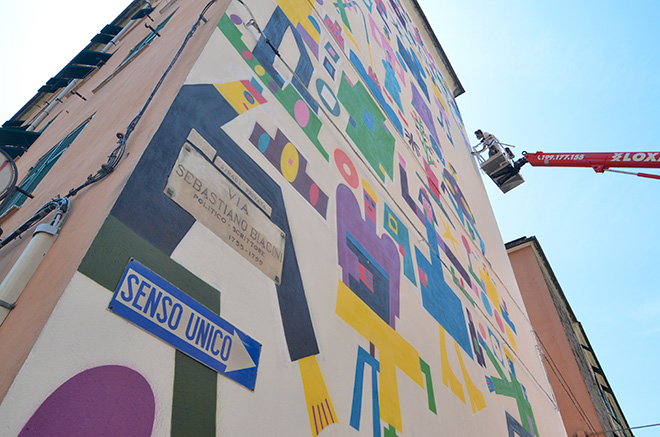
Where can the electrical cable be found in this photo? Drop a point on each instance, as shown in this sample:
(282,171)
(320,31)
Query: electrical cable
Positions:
(117,154)
(625,429)
(565,385)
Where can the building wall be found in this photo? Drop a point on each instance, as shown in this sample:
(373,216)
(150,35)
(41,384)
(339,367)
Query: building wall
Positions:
(113,104)
(386,308)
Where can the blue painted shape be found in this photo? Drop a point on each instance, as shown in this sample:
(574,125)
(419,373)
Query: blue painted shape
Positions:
(392,84)
(331,51)
(158,307)
(363,358)
(415,67)
(264,142)
(377,93)
(329,67)
(368,120)
(441,302)
(486,302)
(255,83)
(314,23)
(272,39)
(507,319)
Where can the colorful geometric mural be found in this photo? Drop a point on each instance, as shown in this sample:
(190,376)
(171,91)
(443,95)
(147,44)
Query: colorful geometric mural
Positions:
(388,318)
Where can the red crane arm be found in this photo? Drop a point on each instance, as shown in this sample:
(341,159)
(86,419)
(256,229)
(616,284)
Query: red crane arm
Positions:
(598,161)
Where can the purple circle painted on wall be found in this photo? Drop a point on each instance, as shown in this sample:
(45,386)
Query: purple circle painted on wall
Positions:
(236,19)
(102,401)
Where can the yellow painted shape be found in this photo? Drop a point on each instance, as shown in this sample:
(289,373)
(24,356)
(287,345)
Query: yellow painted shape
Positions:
(298,12)
(392,224)
(290,162)
(491,291)
(449,379)
(348,33)
(448,235)
(477,401)
(394,351)
(438,94)
(508,354)
(234,92)
(319,406)
(260,70)
(370,191)
(512,339)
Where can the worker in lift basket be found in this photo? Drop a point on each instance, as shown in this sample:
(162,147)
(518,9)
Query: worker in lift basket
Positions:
(490,142)
(487,141)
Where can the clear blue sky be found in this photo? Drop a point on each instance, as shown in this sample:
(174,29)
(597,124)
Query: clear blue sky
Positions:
(559,76)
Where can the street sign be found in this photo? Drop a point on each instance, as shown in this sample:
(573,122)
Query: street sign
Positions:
(214,194)
(155,305)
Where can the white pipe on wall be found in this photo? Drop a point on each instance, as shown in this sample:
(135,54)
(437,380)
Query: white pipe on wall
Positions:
(19,275)
(43,238)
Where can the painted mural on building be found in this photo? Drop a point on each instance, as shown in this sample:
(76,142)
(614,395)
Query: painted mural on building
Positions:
(335,121)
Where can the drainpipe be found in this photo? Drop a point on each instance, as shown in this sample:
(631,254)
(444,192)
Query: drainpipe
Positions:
(20,274)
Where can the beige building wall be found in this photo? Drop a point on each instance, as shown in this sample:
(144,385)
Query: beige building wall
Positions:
(302,188)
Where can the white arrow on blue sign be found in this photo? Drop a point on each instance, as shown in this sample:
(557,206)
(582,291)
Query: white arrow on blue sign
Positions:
(152,303)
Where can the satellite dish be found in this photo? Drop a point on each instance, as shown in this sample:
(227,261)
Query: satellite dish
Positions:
(8,174)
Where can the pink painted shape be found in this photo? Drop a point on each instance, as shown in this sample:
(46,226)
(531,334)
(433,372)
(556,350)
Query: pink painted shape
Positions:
(422,277)
(466,244)
(301,111)
(482,330)
(498,319)
(313,194)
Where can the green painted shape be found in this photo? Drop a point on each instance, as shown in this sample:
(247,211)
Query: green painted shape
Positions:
(194,400)
(426,370)
(458,284)
(195,385)
(390,432)
(513,389)
(376,145)
(341,7)
(287,96)
(115,244)
(476,278)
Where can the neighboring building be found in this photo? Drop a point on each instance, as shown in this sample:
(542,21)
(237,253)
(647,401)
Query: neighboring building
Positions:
(296,240)
(586,401)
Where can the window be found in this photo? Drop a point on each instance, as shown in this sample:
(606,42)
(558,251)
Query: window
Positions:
(43,166)
(146,41)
